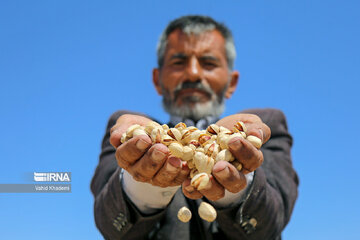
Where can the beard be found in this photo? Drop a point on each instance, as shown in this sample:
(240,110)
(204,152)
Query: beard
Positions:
(191,107)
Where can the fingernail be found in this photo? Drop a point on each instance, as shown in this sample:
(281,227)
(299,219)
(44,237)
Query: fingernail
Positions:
(142,145)
(174,161)
(157,155)
(223,173)
(235,145)
(189,188)
(174,164)
(185,166)
(261,134)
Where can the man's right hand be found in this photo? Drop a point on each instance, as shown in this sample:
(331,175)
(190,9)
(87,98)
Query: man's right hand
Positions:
(143,160)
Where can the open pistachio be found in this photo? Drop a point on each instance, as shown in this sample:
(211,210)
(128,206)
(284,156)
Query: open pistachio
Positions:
(204,139)
(213,129)
(156,135)
(241,126)
(211,149)
(207,212)
(175,134)
(255,141)
(200,181)
(180,126)
(167,140)
(184,214)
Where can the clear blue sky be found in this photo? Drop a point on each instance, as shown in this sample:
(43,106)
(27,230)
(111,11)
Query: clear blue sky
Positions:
(65,66)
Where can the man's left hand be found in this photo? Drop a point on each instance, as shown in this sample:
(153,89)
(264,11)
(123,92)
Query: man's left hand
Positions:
(224,174)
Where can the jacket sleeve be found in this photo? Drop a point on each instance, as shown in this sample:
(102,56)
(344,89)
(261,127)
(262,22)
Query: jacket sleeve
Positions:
(270,200)
(115,216)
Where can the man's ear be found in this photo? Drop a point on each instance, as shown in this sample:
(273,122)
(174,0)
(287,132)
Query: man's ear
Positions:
(235,75)
(156,80)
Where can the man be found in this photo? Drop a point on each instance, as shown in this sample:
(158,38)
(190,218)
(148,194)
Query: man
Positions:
(139,187)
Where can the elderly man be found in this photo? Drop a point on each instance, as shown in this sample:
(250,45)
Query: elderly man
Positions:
(139,187)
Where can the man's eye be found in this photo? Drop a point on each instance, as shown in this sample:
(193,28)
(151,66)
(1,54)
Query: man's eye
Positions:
(209,65)
(178,62)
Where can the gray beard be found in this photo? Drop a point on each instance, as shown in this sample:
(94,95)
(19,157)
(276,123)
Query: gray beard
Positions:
(191,108)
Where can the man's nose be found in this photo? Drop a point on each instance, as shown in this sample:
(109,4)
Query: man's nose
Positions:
(193,70)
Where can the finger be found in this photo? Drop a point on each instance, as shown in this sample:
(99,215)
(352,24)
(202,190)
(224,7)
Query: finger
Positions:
(145,168)
(115,135)
(229,177)
(182,176)
(165,176)
(259,130)
(215,191)
(129,152)
(189,191)
(250,157)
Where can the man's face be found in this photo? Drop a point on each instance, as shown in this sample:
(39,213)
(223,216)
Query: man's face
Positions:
(194,78)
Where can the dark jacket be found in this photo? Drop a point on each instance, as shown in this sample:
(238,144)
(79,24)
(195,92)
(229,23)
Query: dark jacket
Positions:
(262,215)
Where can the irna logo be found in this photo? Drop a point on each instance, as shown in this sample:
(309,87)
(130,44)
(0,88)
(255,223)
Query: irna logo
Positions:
(52,177)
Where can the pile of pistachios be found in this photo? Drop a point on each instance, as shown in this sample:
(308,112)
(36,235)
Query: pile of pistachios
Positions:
(201,149)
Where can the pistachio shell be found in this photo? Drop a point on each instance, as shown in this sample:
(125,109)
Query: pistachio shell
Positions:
(207,212)
(184,214)
(200,181)
(176,149)
(255,141)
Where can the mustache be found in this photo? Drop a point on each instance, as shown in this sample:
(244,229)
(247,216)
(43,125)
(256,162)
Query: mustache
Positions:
(198,85)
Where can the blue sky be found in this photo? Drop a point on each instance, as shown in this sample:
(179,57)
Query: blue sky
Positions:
(65,66)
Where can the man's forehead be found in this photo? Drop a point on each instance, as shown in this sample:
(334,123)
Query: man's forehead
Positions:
(207,41)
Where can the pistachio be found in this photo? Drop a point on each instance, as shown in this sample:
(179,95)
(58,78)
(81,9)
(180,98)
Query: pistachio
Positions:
(165,127)
(184,214)
(176,149)
(200,181)
(194,143)
(224,130)
(193,172)
(180,126)
(150,126)
(156,135)
(207,212)
(213,129)
(203,163)
(211,149)
(224,155)
(204,138)
(222,140)
(237,165)
(240,126)
(255,141)
(123,138)
(187,135)
(139,131)
(188,153)
(175,134)
(191,164)
(167,140)
(130,130)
